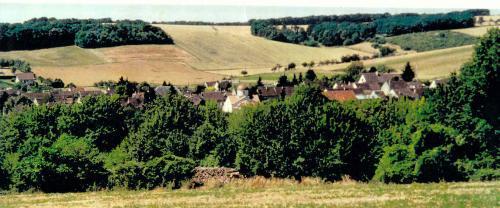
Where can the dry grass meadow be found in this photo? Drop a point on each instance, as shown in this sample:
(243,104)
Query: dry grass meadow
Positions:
(260,192)
(206,53)
(475,31)
(427,65)
(233,47)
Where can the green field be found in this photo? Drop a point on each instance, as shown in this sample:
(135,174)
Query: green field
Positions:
(426,41)
(5,83)
(260,192)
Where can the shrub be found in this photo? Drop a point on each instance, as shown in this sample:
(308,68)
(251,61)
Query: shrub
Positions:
(385,51)
(167,169)
(396,165)
(71,164)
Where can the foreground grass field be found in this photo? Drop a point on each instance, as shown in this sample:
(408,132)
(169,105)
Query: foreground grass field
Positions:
(260,192)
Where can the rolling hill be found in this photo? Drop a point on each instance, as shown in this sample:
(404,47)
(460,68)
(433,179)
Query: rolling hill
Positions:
(206,53)
(233,47)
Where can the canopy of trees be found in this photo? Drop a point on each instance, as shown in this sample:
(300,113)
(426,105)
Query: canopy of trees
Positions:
(451,134)
(121,33)
(351,29)
(50,32)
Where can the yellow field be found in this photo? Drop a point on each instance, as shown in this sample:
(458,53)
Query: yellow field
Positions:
(197,49)
(233,47)
(427,65)
(259,192)
(488,20)
(207,53)
(475,31)
(152,63)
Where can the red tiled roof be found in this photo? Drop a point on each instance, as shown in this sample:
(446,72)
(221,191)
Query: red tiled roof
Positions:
(340,95)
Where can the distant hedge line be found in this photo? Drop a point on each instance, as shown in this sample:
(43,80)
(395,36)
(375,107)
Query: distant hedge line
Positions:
(50,32)
(15,64)
(351,29)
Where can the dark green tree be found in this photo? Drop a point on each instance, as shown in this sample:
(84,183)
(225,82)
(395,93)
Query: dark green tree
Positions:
(408,75)
(310,75)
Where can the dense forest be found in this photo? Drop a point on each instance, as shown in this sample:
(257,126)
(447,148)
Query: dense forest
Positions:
(351,29)
(121,33)
(50,32)
(451,134)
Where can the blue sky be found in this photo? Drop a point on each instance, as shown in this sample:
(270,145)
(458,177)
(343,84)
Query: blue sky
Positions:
(493,4)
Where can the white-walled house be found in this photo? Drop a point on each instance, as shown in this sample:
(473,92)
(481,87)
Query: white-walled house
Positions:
(25,78)
(239,98)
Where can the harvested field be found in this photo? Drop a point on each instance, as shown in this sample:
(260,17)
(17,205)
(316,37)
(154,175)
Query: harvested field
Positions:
(259,192)
(475,31)
(152,63)
(207,53)
(427,65)
(234,48)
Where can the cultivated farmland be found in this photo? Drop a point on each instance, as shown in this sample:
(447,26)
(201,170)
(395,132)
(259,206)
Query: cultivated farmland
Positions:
(152,63)
(233,47)
(206,53)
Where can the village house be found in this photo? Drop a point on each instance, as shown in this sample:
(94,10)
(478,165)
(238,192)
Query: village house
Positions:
(194,98)
(27,78)
(66,97)
(435,83)
(362,94)
(375,77)
(212,85)
(164,90)
(218,97)
(344,86)
(39,98)
(239,99)
(400,88)
(136,100)
(266,93)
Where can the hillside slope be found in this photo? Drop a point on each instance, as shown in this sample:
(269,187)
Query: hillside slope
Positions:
(152,63)
(207,53)
(233,47)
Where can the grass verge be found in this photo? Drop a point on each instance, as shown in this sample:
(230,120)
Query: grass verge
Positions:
(260,192)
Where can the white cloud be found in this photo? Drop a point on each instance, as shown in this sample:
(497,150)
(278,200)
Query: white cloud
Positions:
(492,4)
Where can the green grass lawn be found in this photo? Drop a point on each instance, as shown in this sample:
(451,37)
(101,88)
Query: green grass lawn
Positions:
(5,83)
(426,41)
(259,192)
